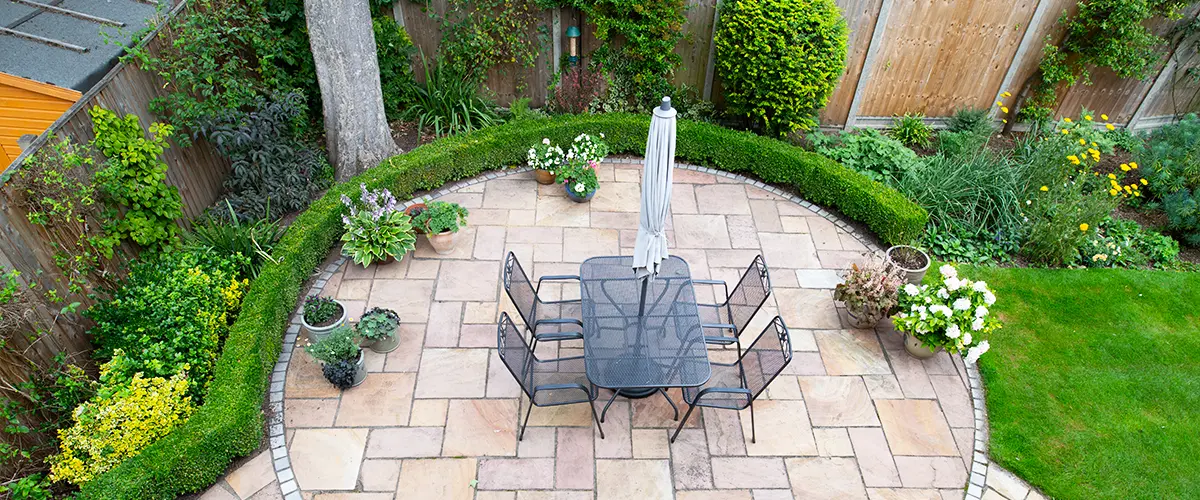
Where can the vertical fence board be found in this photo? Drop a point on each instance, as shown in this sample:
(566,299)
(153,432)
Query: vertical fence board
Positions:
(860,19)
(693,49)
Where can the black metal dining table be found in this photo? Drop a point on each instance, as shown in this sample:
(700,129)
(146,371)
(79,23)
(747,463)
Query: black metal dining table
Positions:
(641,336)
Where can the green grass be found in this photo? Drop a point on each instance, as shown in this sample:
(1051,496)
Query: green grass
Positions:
(1093,386)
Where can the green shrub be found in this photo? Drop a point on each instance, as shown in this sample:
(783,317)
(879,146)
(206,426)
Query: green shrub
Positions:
(976,120)
(961,144)
(1123,243)
(638,39)
(868,152)
(395,50)
(229,425)
(439,217)
(1170,162)
(110,429)
(169,315)
(779,60)
(911,131)
(254,239)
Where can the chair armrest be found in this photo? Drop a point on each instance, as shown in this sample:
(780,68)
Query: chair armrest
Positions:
(722,390)
(550,337)
(557,277)
(725,287)
(709,339)
(567,301)
(559,321)
(723,326)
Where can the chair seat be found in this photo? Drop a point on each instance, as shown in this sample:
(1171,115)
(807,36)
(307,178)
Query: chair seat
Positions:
(723,376)
(568,371)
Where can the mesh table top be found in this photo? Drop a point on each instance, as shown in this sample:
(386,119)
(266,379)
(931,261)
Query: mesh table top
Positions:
(663,346)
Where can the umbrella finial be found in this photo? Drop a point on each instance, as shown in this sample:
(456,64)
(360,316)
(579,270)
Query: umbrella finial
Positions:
(666,103)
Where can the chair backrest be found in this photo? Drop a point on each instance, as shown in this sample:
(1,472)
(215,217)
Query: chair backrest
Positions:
(750,294)
(519,288)
(766,357)
(515,353)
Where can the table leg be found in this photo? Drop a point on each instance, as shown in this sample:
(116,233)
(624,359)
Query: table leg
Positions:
(672,403)
(609,403)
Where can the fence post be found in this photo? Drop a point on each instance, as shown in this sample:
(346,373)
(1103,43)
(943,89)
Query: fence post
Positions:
(876,39)
(1027,40)
(556,25)
(710,67)
(398,13)
(1164,75)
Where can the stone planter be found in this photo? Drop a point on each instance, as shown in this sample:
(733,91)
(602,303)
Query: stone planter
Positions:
(861,319)
(316,333)
(442,243)
(386,344)
(917,349)
(360,370)
(543,176)
(911,260)
(575,197)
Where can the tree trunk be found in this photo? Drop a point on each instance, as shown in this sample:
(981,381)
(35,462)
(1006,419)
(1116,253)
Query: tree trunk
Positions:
(343,47)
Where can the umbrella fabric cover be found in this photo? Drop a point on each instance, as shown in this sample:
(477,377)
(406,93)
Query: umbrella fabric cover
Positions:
(651,246)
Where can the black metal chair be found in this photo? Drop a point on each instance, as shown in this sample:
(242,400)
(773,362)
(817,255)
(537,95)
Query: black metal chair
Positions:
(532,308)
(735,386)
(730,317)
(549,382)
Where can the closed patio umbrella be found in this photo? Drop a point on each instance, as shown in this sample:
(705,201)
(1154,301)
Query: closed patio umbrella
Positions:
(651,247)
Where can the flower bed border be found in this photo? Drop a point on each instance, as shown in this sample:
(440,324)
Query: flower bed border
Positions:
(230,424)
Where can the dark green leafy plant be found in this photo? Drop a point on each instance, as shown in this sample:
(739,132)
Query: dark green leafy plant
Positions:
(340,345)
(448,102)
(254,240)
(377,324)
(141,206)
(867,151)
(394,50)
(911,130)
(319,310)
(642,34)
(31,487)
(1170,162)
(974,120)
(340,373)
(376,228)
(439,217)
(779,60)
(1123,243)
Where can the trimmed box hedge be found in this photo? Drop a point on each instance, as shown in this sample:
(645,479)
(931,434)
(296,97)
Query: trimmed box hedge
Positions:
(230,424)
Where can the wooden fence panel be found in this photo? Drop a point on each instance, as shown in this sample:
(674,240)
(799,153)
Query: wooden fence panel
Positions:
(693,49)
(940,55)
(1181,94)
(860,19)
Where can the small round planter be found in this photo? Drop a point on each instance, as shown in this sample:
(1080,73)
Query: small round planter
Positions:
(911,260)
(412,211)
(543,176)
(442,243)
(862,320)
(576,197)
(917,349)
(360,370)
(316,333)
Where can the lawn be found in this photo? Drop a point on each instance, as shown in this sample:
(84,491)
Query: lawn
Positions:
(1093,386)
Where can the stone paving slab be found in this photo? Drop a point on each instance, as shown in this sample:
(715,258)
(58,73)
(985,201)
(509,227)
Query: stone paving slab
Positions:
(853,417)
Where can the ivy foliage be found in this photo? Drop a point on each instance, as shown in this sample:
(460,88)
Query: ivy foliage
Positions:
(641,35)
(780,60)
(394,51)
(142,207)
(478,35)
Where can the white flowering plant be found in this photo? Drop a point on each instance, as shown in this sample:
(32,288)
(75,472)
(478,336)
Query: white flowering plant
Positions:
(545,156)
(579,176)
(588,147)
(953,314)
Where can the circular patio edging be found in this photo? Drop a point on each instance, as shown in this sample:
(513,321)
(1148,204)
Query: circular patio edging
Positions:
(286,478)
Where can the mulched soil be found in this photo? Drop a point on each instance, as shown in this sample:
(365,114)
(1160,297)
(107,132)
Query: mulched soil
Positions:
(408,136)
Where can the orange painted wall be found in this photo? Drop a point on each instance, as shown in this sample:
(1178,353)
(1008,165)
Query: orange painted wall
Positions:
(28,107)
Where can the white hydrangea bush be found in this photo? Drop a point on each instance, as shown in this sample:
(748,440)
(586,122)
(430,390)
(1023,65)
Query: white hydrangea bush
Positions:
(954,314)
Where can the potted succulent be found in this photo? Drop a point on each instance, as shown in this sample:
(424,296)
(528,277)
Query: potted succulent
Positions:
(951,314)
(341,357)
(377,230)
(441,222)
(579,179)
(869,292)
(545,159)
(321,315)
(911,259)
(377,328)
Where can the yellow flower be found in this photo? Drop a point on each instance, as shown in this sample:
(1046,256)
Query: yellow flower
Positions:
(1138,194)
(998,103)
(1045,188)
(1112,176)
(1125,167)
(1068,120)
(1003,109)
(1082,142)
(1003,121)
(1133,165)
(1103,117)
(1074,159)
(1006,94)
(1083,227)
(1065,131)
(1087,117)
(1144,183)
(1109,126)
(1112,192)
(1094,145)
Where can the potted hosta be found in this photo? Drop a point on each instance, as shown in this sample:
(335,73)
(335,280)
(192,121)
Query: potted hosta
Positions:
(952,314)
(912,260)
(578,177)
(320,316)
(441,222)
(341,357)
(870,292)
(544,158)
(377,230)
(378,330)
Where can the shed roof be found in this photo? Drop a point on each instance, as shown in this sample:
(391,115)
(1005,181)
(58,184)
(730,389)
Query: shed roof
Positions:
(64,67)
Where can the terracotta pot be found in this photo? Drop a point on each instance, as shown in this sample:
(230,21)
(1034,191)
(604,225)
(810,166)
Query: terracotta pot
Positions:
(911,260)
(442,243)
(543,176)
(917,349)
(316,333)
(412,211)
(575,197)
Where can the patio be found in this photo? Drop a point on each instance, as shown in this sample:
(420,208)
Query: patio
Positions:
(853,416)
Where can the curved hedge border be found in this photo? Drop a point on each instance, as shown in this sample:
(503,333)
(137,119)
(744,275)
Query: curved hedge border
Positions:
(230,423)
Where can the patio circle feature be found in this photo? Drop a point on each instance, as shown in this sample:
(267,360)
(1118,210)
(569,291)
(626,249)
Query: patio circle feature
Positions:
(853,415)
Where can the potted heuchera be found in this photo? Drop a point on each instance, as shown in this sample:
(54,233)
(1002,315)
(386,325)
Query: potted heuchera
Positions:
(545,159)
(377,230)
(870,292)
(952,314)
(378,330)
(321,315)
(441,222)
(579,179)
(341,357)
